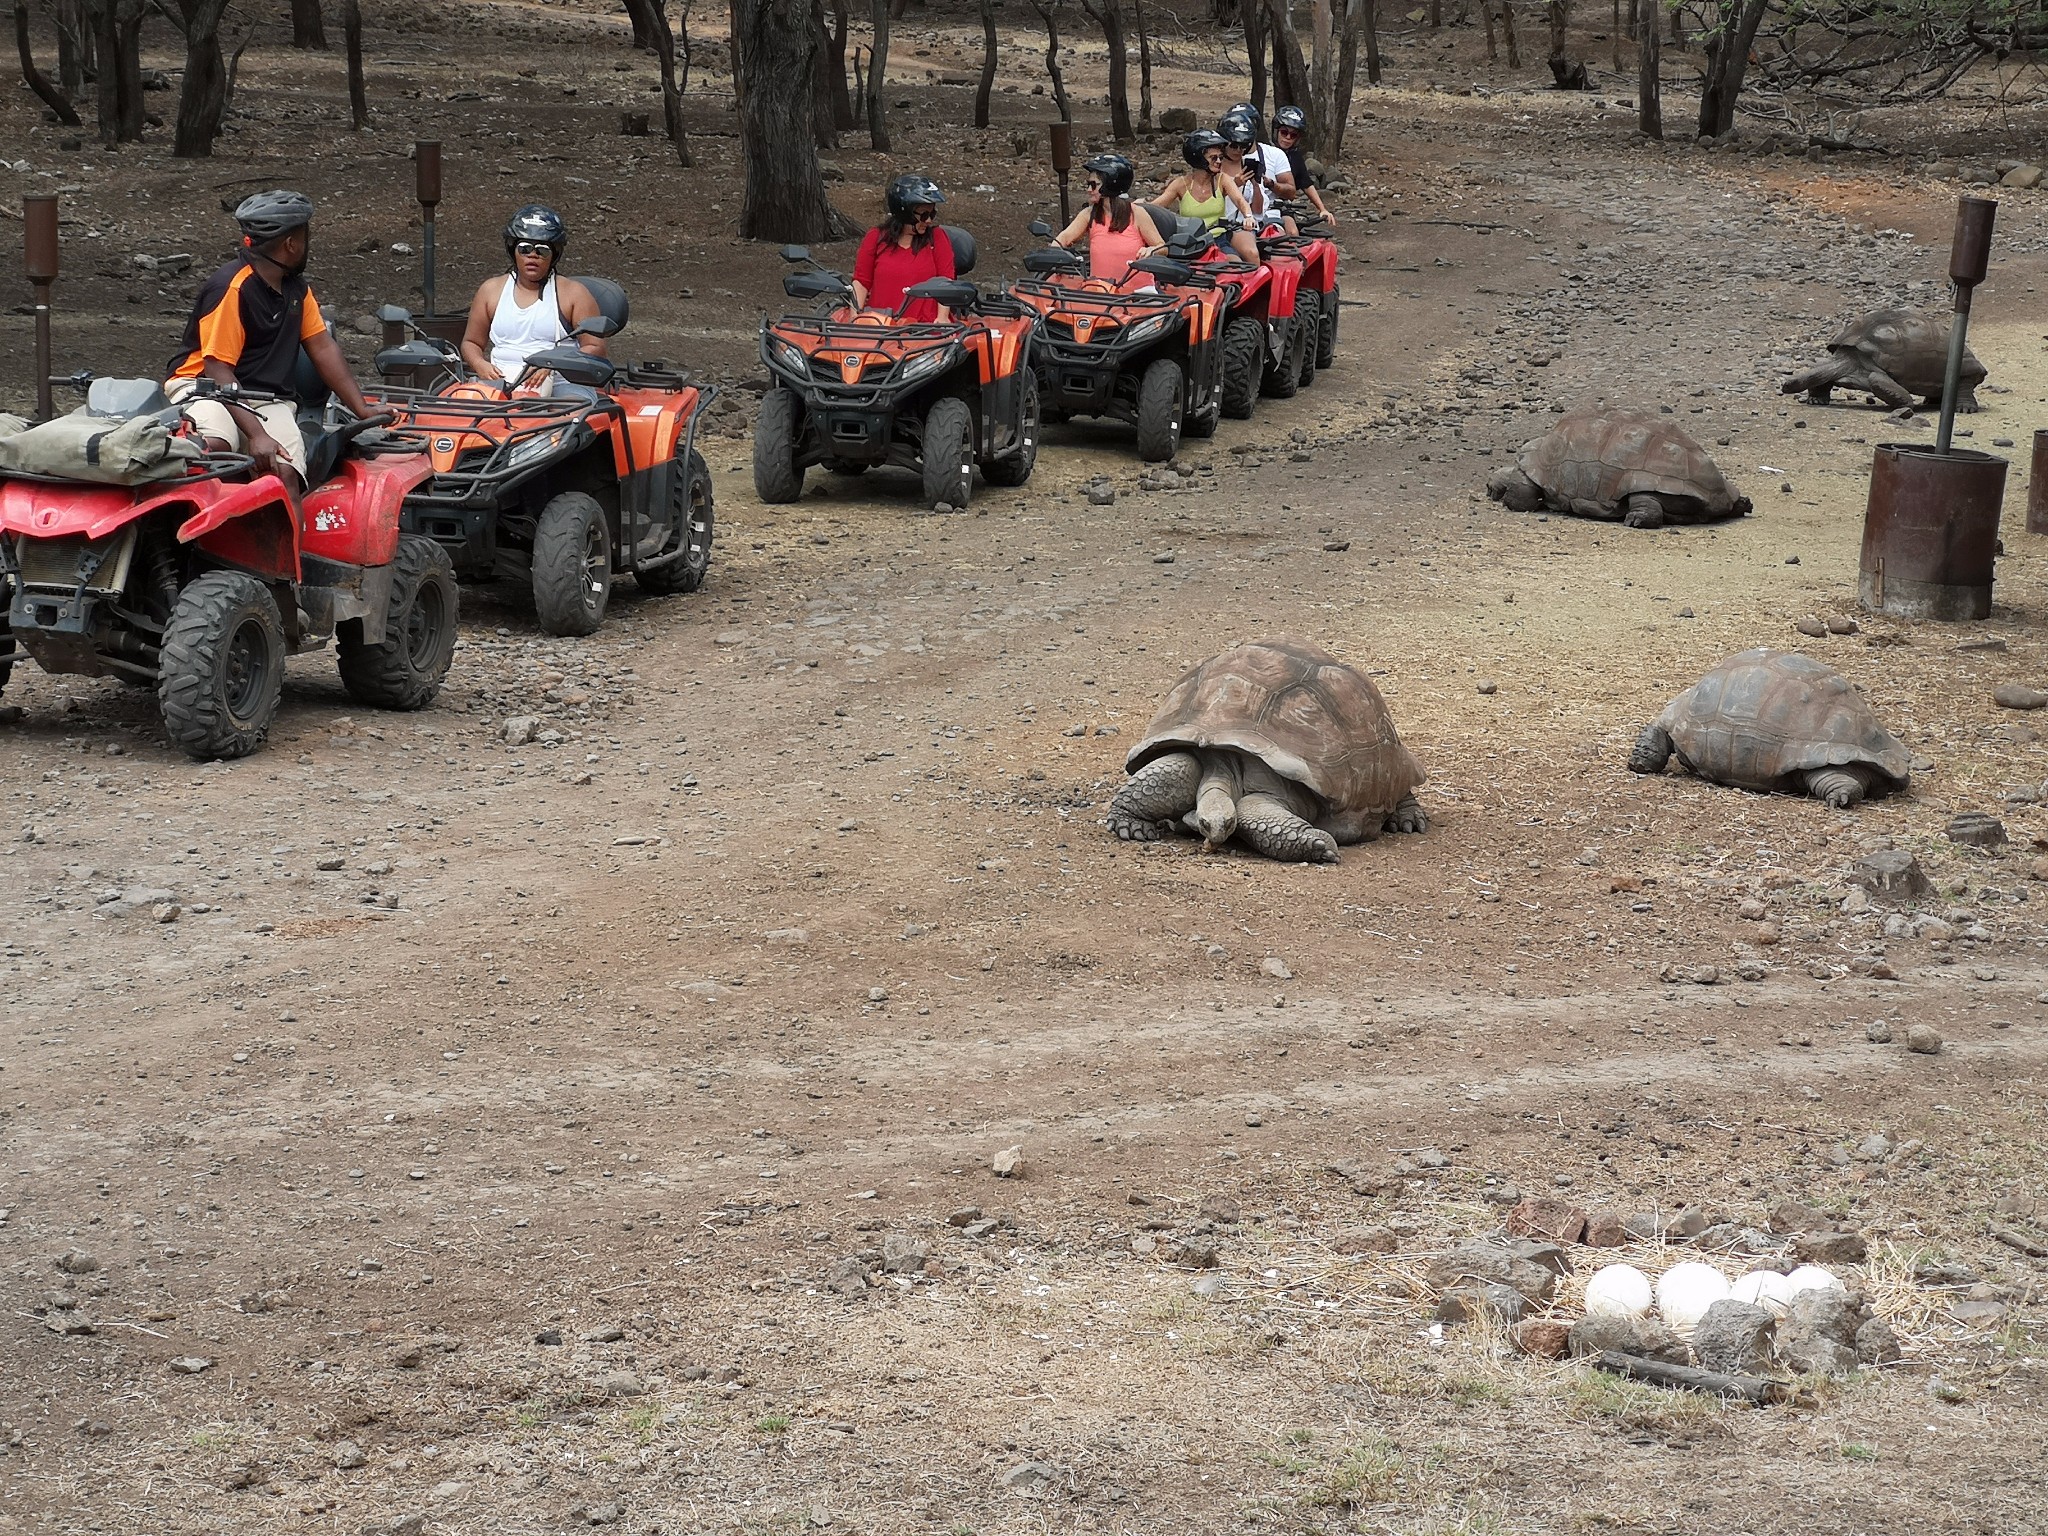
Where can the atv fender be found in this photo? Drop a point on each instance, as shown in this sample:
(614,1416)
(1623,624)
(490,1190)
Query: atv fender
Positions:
(352,517)
(249,526)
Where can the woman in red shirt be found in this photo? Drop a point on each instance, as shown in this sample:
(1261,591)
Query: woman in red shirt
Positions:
(903,250)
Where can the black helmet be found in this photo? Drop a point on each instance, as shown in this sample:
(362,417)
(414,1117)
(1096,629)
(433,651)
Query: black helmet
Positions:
(908,192)
(540,225)
(1116,172)
(1196,146)
(265,216)
(1238,128)
(1291,117)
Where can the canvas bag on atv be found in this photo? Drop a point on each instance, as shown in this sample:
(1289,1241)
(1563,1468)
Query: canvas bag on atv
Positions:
(120,436)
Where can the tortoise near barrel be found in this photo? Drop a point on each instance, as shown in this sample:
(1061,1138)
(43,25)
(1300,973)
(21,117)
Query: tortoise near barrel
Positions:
(1277,743)
(1636,467)
(1893,354)
(1777,720)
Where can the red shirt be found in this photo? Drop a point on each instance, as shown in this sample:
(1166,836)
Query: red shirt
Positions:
(887,269)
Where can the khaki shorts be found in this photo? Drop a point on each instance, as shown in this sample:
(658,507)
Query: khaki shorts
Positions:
(215,420)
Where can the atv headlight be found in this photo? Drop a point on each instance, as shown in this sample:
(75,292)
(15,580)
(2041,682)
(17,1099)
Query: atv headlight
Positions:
(1145,330)
(924,364)
(789,356)
(538,446)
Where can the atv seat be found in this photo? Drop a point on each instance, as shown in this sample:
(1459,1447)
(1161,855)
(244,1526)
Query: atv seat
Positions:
(611,300)
(963,249)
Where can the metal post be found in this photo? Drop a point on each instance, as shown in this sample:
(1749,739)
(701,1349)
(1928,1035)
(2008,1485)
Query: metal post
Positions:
(1062,163)
(1969,259)
(39,228)
(427,180)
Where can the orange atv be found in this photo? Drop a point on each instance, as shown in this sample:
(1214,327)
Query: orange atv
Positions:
(851,388)
(564,489)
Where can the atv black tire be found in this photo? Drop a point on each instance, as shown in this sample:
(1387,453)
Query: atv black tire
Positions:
(948,453)
(693,514)
(572,565)
(407,667)
(221,671)
(1162,408)
(1280,380)
(1326,333)
(1244,351)
(1308,315)
(1016,469)
(777,431)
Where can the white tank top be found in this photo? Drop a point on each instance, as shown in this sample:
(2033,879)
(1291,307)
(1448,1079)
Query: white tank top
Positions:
(516,333)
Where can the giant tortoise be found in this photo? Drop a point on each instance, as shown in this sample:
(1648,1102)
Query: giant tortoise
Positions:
(1637,467)
(1277,743)
(1893,354)
(1777,720)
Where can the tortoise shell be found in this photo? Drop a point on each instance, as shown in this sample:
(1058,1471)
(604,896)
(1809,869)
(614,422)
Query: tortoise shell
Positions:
(1310,717)
(1764,716)
(1910,346)
(1605,455)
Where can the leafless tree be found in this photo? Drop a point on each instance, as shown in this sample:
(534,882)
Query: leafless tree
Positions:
(987,83)
(309,30)
(1728,45)
(878,74)
(1049,13)
(352,46)
(785,185)
(51,97)
(1109,16)
(1649,103)
(1144,65)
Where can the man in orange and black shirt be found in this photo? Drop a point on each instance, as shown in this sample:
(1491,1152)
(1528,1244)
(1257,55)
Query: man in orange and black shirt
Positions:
(253,317)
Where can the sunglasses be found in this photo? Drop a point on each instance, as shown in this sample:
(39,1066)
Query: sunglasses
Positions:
(1290,133)
(1094,186)
(923,215)
(532,248)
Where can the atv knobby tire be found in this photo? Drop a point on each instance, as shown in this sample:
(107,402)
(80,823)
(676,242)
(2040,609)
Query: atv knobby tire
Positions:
(407,667)
(572,565)
(1162,406)
(1308,316)
(777,431)
(690,508)
(1280,380)
(220,674)
(1326,333)
(1244,354)
(1016,469)
(948,453)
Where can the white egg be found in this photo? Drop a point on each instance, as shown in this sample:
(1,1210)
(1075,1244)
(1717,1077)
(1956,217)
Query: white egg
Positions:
(1685,1291)
(1810,1277)
(1764,1288)
(1619,1290)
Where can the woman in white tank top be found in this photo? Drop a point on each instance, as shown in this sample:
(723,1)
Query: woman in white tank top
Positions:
(528,309)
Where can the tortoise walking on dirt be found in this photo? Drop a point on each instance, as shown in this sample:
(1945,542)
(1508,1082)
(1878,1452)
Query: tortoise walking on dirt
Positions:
(1636,467)
(1893,354)
(1777,720)
(1277,743)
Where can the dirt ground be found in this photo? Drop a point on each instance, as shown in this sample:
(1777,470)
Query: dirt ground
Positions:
(497,1122)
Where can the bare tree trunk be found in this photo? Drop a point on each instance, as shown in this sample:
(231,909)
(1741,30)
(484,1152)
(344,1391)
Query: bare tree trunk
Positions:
(118,45)
(1144,66)
(1322,77)
(1108,15)
(641,14)
(309,30)
(1049,10)
(1370,21)
(1728,46)
(1486,16)
(664,39)
(1360,18)
(1254,12)
(843,115)
(878,72)
(1649,105)
(824,127)
(1614,34)
(740,64)
(51,97)
(203,98)
(1678,28)
(74,48)
(987,84)
(1290,69)
(785,190)
(1558,14)
(1436,15)
(1507,32)
(352,45)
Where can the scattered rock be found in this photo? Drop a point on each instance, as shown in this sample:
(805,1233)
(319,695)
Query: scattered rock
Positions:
(1924,1040)
(2018,696)
(191,1365)
(1540,1216)
(1830,1248)
(1276,968)
(1605,1229)
(1029,1476)
(1477,1300)
(1734,1337)
(1877,1032)
(1367,1240)
(1892,873)
(847,1276)
(610,1333)
(1484,1262)
(1819,1332)
(348,1455)
(903,1254)
(1976,829)
(1811,627)
(1876,1343)
(519,730)
(1544,1337)
(78,1262)
(1008,1163)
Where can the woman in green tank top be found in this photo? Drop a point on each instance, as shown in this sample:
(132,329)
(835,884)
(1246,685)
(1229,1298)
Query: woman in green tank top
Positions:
(1207,192)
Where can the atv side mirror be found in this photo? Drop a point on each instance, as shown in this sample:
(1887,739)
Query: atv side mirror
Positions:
(1161,268)
(394,314)
(596,325)
(1040,228)
(575,365)
(1051,259)
(813,285)
(1187,245)
(413,354)
(796,253)
(949,291)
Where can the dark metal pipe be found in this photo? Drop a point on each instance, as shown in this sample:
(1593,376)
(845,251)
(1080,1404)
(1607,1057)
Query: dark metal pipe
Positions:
(39,238)
(427,187)
(1969,259)
(1062,163)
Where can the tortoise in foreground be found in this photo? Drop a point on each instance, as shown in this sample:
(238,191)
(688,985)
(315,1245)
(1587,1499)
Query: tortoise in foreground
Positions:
(1279,744)
(1636,467)
(1777,720)
(1893,354)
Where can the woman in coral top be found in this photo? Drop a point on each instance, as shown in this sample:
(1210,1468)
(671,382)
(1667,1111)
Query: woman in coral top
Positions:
(903,250)
(1118,231)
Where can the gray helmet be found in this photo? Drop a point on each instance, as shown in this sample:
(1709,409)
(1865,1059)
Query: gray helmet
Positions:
(1291,117)
(1196,146)
(1114,171)
(908,192)
(264,216)
(1238,128)
(541,225)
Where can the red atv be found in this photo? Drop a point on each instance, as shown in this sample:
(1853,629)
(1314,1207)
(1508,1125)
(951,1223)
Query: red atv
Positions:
(1264,341)
(1317,298)
(201,584)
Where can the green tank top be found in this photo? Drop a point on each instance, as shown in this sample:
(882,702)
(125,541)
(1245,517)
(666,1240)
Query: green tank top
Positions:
(1208,210)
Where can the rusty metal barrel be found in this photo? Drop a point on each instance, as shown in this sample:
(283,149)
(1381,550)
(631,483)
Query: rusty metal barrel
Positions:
(1930,532)
(2037,486)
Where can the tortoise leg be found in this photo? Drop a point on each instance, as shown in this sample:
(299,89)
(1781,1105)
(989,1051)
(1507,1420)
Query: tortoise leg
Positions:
(1839,787)
(1652,751)
(1882,385)
(1818,383)
(1216,809)
(1152,804)
(1271,828)
(1643,510)
(1514,489)
(1407,816)
(1966,400)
